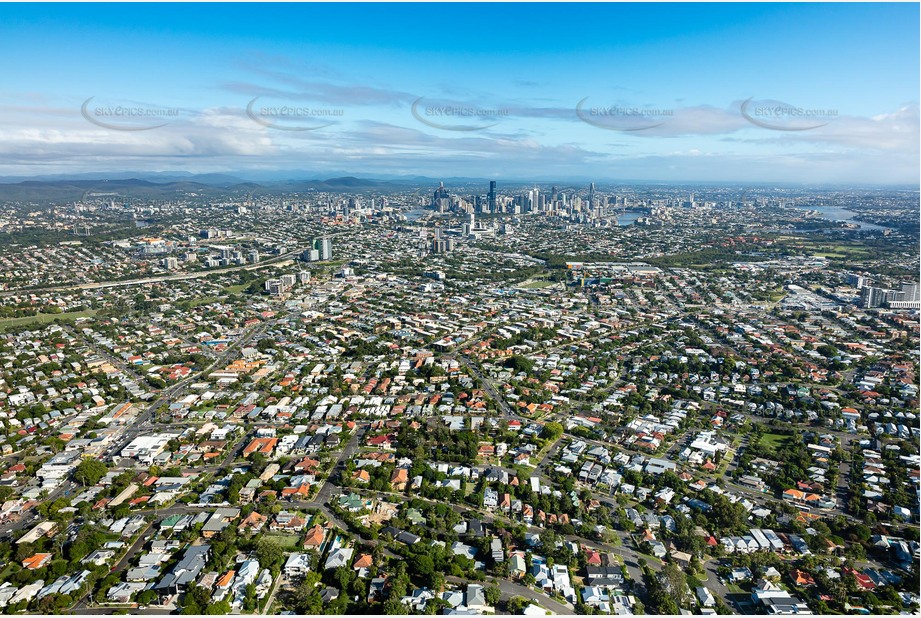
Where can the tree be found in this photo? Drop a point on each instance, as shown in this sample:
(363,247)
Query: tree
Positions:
(269,553)
(423,565)
(195,600)
(90,472)
(552,431)
(675,584)
(492,594)
(221,608)
(249,600)
(519,364)
(516,605)
(393,607)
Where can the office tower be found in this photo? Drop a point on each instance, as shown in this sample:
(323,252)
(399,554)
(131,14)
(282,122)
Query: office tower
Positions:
(591,195)
(470,225)
(491,198)
(440,199)
(533,199)
(324,247)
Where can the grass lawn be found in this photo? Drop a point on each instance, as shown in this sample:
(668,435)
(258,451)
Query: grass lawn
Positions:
(650,559)
(7,572)
(45,318)
(693,581)
(236,289)
(204,300)
(773,440)
(288,541)
(535,285)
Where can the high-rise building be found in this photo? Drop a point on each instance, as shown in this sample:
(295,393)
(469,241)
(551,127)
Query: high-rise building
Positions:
(534,200)
(470,225)
(491,198)
(910,292)
(909,297)
(275,287)
(324,247)
(858,281)
(441,200)
(873,297)
(442,245)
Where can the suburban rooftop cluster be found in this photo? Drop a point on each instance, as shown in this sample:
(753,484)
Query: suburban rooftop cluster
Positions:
(531,400)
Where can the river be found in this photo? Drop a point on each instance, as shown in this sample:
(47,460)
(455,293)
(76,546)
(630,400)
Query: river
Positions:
(629,218)
(836,213)
(417,213)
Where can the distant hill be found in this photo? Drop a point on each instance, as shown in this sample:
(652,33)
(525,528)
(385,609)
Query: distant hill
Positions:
(70,190)
(47,191)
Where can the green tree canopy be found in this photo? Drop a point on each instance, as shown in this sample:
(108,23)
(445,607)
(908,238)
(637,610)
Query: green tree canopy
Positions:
(90,472)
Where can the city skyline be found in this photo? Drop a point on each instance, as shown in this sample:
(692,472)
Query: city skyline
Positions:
(798,94)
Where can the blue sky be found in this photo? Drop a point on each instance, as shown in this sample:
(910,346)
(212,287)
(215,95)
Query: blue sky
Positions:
(802,93)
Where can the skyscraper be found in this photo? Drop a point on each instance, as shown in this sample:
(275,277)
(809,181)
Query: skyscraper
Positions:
(470,225)
(441,200)
(324,248)
(491,200)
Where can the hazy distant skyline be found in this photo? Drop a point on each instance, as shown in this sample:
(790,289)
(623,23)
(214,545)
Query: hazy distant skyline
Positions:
(654,92)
